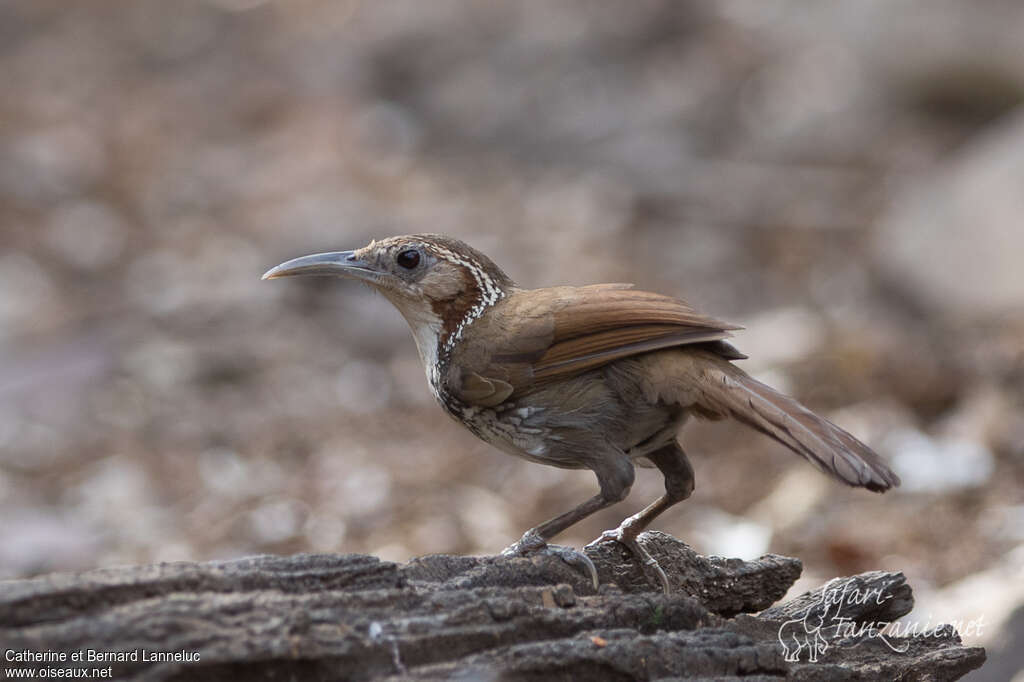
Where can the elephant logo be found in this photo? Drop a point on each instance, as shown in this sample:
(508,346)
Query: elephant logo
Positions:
(804,633)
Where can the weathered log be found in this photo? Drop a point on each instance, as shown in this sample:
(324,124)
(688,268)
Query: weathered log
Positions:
(353,617)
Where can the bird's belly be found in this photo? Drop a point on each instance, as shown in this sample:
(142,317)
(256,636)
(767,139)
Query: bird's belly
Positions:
(549,436)
(571,423)
(515,430)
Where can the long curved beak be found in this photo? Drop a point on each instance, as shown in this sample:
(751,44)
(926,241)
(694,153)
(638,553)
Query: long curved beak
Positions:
(336,263)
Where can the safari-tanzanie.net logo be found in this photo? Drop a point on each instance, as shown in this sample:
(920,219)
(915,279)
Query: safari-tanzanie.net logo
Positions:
(822,624)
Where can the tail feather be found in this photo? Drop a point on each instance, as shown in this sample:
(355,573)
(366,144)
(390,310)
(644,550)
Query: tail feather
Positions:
(825,445)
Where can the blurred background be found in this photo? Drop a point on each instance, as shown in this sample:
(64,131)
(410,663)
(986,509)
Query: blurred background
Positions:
(845,179)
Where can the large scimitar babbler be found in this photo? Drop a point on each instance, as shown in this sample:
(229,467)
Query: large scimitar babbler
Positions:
(596,377)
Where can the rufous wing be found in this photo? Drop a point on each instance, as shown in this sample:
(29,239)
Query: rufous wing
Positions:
(604,323)
(544,335)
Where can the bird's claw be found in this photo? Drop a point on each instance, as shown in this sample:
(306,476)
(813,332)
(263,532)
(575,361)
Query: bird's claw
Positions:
(533,544)
(628,540)
(578,559)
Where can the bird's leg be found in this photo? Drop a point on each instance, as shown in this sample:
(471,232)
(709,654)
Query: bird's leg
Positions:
(615,478)
(673,463)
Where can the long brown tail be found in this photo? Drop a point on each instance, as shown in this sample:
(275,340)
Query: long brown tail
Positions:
(734,393)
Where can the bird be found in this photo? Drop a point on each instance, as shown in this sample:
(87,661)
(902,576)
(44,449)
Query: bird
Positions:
(599,377)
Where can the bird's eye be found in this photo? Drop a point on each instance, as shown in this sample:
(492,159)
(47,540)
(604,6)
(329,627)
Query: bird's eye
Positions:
(408,259)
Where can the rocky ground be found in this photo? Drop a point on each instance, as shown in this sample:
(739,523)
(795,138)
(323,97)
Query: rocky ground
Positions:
(841,178)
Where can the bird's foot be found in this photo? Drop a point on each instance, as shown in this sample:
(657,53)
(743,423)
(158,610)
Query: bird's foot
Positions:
(624,536)
(532,543)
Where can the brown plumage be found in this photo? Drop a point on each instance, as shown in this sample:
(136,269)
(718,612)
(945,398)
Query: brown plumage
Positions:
(547,335)
(595,377)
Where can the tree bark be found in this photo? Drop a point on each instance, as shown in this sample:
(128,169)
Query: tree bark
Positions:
(353,617)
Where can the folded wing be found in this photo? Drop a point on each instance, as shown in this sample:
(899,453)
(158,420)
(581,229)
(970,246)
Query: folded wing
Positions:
(556,333)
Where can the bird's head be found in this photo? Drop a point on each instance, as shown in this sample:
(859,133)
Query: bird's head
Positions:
(440,284)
